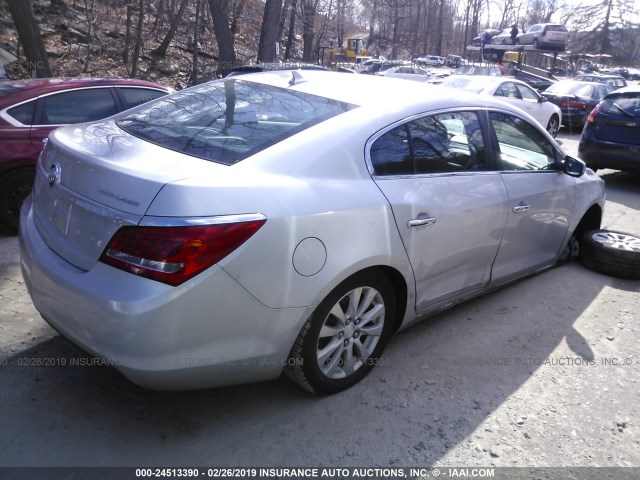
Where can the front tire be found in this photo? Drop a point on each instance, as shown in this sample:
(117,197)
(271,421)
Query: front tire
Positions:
(612,253)
(342,341)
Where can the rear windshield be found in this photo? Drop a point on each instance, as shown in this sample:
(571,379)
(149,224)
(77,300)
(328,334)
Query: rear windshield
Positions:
(228,120)
(579,89)
(627,105)
(556,28)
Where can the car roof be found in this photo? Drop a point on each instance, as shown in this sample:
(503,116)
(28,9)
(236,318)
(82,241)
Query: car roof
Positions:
(627,89)
(601,75)
(379,93)
(19,90)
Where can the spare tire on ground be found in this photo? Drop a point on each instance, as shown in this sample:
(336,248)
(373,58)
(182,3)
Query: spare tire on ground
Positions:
(612,253)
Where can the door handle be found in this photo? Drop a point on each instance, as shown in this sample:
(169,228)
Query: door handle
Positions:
(520,208)
(419,222)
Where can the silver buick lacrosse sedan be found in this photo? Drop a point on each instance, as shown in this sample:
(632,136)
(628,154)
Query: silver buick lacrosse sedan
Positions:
(289,222)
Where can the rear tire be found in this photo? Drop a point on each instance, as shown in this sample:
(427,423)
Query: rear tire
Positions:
(553,126)
(14,188)
(612,253)
(342,341)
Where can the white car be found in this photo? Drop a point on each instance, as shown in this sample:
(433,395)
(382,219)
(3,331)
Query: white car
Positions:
(431,60)
(503,38)
(407,73)
(515,92)
(290,221)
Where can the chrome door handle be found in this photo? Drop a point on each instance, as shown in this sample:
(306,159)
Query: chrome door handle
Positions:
(520,208)
(418,222)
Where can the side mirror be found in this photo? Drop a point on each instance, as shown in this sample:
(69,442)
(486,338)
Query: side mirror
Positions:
(574,167)
(542,99)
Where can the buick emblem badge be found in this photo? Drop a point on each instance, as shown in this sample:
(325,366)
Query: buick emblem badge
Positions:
(54,174)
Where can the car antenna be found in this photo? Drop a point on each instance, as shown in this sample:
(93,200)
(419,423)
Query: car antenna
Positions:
(296,78)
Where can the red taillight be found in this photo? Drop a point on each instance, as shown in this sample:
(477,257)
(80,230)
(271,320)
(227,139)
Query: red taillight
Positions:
(592,116)
(573,104)
(173,255)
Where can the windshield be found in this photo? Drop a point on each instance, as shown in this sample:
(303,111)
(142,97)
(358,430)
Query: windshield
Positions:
(228,120)
(471,85)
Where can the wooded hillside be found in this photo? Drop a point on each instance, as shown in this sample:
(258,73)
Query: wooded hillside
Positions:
(154,39)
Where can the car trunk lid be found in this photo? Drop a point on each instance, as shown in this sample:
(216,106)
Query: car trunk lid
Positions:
(93,179)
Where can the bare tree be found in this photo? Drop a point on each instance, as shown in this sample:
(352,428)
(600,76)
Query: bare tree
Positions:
(30,38)
(290,36)
(138,45)
(193,78)
(309,8)
(224,38)
(605,28)
(161,51)
(269,33)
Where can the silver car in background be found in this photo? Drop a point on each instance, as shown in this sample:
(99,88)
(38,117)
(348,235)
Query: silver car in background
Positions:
(289,221)
(545,35)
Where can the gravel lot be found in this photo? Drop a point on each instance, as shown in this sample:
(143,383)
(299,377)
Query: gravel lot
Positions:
(544,373)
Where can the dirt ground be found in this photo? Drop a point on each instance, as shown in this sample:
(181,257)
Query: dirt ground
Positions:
(544,373)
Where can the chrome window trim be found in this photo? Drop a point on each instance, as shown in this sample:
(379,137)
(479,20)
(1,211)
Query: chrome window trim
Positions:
(488,110)
(5,115)
(149,221)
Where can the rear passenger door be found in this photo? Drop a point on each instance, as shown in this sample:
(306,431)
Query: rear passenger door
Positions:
(449,204)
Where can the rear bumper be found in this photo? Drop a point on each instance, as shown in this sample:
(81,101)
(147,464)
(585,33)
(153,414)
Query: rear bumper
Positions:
(207,332)
(574,117)
(598,153)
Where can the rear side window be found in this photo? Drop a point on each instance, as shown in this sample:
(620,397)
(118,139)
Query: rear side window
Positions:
(132,97)
(24,113)
(77,106)
(627,106)
(443,143)
(228,120)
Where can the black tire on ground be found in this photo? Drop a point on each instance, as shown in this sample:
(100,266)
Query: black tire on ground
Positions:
(535,43)
(554,125)
(14,188)
(612,253)
(356,317)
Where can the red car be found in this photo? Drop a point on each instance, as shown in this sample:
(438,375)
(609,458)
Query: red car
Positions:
(31,109)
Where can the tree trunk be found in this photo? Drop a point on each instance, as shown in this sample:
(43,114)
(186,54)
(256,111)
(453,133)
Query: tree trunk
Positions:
(224,38)
(30,38)
(127,36)
(161,51)
(308,32)
(291,34)
(237,13)
(269,33)
(193,79)
(138,46)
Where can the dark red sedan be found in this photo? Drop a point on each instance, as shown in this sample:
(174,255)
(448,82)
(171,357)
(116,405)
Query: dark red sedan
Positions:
(31,109)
